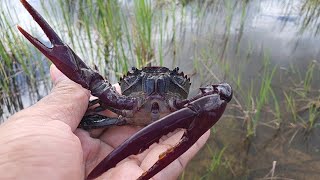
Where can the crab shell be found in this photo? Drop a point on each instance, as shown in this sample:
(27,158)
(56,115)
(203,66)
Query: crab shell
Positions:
(158,88)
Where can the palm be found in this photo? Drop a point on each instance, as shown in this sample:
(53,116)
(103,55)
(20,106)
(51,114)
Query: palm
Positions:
(95,149)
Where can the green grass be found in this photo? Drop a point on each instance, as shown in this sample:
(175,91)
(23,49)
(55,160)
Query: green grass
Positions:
(310,21)
(142,28)
(216,159)
(264,93)
(16,62)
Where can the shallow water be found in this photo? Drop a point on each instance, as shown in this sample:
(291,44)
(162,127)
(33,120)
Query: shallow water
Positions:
(240,43)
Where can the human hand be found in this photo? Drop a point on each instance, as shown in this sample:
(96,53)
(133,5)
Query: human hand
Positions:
(43,141)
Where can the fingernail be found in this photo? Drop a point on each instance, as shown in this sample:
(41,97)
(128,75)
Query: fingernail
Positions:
(56,74)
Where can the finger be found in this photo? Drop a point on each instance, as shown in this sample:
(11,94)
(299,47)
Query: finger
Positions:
(154,152)
(114,136)
(188,155)
(94,150)
(118,88)
(128,170)
(67,103)
(166,140)
(56,74)
(177,166)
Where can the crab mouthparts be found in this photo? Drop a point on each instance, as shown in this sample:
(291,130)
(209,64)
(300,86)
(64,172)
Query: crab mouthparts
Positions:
(155,108)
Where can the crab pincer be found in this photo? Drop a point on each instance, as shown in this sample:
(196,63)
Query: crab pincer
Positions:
(197,117)
(70,64)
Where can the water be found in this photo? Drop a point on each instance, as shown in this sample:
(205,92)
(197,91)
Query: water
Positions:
(240,43)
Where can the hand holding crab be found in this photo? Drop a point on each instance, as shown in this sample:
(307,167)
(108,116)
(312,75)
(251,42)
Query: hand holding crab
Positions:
(43,141)
(154,97)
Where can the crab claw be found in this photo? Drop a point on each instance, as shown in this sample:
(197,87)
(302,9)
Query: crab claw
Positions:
(63,57)
(197,117)
(60,54)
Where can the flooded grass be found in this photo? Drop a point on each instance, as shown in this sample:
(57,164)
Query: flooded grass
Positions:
(271,127)
(17,68)
(142,32)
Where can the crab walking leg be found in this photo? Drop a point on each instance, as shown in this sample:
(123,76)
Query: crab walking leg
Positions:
(70,64)
(95,121)
(198,117)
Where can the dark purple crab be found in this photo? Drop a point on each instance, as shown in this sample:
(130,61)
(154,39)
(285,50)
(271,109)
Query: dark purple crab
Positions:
(155,95)
(158,90)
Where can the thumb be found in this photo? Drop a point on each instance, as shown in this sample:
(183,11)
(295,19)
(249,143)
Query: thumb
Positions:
(67,102)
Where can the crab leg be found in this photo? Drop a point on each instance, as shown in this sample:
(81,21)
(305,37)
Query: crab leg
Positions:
(196,117)
(97,121)
(63,57)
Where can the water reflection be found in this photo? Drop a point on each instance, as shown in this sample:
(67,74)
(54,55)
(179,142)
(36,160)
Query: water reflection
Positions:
(268,49)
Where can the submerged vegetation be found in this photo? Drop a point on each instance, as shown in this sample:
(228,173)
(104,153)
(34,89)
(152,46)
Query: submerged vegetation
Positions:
(274,70)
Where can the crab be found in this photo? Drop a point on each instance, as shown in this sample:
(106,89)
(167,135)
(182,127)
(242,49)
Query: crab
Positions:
(159,92)
(153,97)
